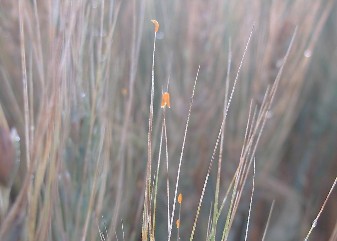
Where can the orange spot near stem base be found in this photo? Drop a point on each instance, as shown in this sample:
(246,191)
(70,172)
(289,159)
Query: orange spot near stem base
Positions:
(165,100)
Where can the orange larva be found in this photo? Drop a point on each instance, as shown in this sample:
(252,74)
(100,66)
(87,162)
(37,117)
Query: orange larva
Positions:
(178,223)
(165,100)
(156,25)
(180,198)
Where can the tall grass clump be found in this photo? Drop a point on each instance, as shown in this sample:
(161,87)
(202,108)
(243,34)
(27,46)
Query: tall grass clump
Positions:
(214,122)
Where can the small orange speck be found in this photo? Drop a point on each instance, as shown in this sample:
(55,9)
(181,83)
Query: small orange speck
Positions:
(124,91)
(178,223)
(156,25)
(180,198)
(165,100)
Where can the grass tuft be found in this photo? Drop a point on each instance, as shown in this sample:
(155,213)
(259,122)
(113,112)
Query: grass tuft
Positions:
(99,154)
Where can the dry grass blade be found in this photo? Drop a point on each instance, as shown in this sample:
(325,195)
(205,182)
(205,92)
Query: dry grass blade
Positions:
(268,221)
(238,72)
(26,111)
(147,225)
(217,187)
(155,186)
(25,83)
(209,223)
(251,202)
(205,183)
(314,223)
(250,149)
(182,154)
(218,139)
(180,199)
(94,184)
(167,174)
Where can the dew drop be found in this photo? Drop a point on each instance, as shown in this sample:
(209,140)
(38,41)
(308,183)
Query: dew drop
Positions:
(14,135)
(269,114)
(307,53)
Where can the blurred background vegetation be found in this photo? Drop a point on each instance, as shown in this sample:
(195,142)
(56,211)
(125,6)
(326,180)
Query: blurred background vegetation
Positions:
(83,141)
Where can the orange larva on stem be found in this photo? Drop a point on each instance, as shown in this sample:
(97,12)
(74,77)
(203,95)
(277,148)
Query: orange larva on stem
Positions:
(156,25)
(165,100)
(180,198)
(178,223)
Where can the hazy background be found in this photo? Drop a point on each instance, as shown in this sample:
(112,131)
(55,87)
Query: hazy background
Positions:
(88,69)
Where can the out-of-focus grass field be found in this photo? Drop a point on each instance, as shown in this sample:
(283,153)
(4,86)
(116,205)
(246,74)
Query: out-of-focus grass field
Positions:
(75,81)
